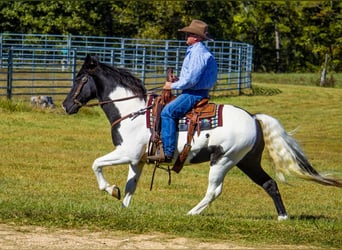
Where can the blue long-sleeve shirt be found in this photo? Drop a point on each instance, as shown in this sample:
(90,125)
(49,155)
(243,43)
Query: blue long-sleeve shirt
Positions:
(199,69)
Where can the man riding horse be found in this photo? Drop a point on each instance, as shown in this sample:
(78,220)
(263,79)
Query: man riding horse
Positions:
(198,75)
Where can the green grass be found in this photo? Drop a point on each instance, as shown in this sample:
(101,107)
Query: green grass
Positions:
(46,177)
(308,79)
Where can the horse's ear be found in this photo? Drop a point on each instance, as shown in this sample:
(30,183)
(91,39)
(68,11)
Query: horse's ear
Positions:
(91,62)
(87,60)
(96,58)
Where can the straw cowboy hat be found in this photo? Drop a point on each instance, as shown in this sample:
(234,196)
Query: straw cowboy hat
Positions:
(199,28)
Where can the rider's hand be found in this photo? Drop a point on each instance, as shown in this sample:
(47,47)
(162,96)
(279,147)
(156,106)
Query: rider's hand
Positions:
(167,85)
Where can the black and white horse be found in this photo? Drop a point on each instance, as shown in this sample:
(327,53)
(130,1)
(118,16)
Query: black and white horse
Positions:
(238,142)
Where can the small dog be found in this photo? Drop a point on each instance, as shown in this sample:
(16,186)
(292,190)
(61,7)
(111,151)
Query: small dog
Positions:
(42,101)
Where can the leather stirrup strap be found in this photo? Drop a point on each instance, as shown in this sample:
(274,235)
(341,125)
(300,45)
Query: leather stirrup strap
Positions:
(177,167)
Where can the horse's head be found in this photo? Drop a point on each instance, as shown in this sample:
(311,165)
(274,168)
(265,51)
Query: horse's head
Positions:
(83,89)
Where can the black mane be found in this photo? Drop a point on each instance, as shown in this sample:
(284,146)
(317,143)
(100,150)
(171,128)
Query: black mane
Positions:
(123,78)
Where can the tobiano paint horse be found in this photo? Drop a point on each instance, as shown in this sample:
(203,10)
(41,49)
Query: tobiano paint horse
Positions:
(239,142)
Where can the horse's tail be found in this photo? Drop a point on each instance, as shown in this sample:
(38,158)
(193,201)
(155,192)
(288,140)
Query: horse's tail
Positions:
(287,154)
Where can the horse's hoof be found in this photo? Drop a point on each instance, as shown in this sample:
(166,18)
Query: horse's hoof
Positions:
(116,192)
(282,217)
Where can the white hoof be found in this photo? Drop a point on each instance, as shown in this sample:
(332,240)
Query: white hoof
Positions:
(282,217)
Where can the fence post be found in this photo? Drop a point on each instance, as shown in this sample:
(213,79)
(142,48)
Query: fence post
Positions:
(122,58)
(9,74)
(177,61)
(143,66)
(239,71)
(112,57)
(166,53)
(73,72)
(1,50)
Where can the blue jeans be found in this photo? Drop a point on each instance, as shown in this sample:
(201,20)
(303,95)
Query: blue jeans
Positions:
(170,115)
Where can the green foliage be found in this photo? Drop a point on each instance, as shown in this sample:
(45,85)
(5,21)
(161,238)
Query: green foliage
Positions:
(307,30)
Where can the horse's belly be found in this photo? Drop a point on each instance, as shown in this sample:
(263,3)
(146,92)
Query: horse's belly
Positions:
(235,137)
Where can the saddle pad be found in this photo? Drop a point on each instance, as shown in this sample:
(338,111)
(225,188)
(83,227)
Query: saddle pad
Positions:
(183,124)
(205,123)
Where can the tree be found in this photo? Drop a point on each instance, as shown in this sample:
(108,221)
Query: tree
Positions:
(288,36)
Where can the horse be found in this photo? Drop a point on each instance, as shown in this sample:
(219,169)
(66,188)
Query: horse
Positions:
(239,142)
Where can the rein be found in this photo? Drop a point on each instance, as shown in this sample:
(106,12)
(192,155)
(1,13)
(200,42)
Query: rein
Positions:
(110,101)
(117,100)
(132,115)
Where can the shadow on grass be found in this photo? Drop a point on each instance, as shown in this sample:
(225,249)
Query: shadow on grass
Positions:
(302,217)
(308,217)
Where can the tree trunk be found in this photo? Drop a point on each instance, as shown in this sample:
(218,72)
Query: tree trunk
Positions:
(324,72)
(277,39)
(277,47)
(108,18)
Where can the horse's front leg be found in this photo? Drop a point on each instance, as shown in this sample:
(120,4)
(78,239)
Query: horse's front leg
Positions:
(134,173)
(113,158)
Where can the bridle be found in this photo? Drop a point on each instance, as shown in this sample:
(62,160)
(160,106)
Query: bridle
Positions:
(84,80)
(133,115)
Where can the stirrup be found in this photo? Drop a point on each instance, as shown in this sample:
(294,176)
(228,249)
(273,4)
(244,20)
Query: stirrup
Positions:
(156,151)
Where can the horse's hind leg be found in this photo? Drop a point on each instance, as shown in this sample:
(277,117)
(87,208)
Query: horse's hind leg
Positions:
(271,188)
(254,171)
(217,173)
(251,166)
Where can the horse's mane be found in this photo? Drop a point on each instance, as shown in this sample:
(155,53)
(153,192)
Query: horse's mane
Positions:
(124,78)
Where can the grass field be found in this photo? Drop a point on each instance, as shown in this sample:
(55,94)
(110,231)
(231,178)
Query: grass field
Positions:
(307,79)
(46,177)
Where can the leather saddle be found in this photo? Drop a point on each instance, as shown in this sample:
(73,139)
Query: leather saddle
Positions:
(203,109)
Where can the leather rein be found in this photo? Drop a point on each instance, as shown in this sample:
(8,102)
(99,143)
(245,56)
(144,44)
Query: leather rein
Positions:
(132,115)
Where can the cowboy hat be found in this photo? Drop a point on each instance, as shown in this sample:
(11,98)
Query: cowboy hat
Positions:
(199,28)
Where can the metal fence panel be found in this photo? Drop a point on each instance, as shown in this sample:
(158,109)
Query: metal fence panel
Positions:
(35,71)
(29,62)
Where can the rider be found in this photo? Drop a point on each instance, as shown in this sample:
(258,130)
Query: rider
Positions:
(198,75)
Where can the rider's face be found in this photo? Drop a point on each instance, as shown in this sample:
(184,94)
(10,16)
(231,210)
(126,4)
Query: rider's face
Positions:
(192,38)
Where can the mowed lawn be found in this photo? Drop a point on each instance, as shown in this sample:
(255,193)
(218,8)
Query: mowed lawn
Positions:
(46,177)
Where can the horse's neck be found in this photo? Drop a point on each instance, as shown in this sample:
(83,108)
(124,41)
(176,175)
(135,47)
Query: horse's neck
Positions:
(129,105)
(118,109)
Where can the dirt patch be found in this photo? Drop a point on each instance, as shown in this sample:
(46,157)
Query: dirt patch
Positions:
(31,237)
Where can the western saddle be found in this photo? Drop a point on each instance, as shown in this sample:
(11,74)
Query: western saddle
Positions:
(203,109)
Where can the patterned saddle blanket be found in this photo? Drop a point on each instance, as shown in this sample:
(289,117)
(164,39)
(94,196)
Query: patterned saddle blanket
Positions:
(205,123)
